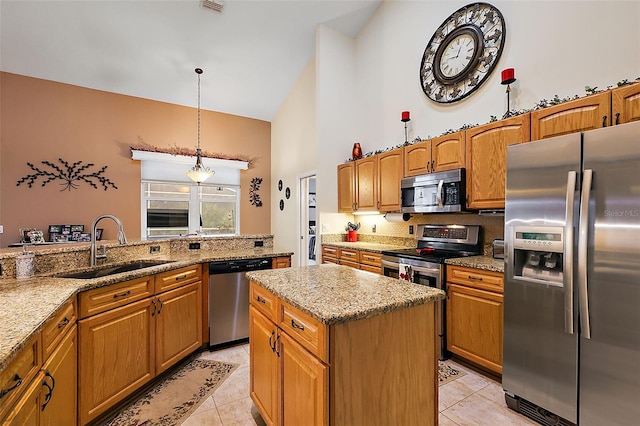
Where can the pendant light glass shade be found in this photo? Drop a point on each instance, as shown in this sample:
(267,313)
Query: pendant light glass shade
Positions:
(199,173)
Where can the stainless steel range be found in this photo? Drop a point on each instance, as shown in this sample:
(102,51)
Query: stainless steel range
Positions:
(425,264)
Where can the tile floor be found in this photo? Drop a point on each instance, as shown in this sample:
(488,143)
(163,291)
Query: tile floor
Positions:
(472,399)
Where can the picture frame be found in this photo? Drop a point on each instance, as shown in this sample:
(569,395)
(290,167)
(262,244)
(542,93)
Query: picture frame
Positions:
(98,234)
(312,199)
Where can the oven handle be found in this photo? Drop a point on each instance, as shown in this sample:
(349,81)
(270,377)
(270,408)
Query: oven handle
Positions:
(390,265)
(429,271)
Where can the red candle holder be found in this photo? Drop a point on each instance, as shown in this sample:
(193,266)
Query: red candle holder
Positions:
(508,76)
(405,118)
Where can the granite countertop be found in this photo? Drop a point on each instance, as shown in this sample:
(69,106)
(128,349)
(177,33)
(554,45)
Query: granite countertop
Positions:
(28,303)
(487,263)
(365,246)
(336,294)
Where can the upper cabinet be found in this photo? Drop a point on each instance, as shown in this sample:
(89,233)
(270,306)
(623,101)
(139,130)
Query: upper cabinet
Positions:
(439,154)
(580,115)
(625,104)
(346,187)
(486,160)
(367,184)
(371,183)
(390,166)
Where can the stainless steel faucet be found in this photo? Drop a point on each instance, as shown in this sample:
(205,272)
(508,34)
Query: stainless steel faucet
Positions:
(122,239)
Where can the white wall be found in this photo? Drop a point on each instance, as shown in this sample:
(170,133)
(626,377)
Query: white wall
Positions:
(293,152)
(362,85)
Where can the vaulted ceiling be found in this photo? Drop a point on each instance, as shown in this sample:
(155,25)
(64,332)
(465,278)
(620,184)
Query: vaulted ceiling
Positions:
(251,53)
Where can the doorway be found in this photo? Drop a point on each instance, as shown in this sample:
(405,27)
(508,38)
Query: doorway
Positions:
(307,220)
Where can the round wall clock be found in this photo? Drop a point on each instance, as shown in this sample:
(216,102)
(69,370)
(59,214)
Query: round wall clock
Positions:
(462,53)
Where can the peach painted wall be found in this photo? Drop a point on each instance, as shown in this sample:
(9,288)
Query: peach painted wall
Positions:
(44,120)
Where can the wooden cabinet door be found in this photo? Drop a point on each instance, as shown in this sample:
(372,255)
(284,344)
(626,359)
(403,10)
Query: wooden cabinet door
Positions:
(305,386)
(588,113)
(417,159)
(26,410)
(115,356)
(474,325)
(281,262)
(264,387)
(367,184)
(447,152)
(178,324)
(390,172)
(346,187)
(61,374)
(625,103)
(487,160)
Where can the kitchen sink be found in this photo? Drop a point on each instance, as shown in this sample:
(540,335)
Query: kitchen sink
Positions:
(111,270)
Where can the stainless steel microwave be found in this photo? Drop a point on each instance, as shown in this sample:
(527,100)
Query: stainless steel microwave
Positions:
(441,192)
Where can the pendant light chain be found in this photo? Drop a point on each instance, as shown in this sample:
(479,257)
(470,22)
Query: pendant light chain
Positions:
(199,173)
(198,108)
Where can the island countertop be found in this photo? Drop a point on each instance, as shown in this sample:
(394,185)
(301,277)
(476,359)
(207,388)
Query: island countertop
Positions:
(336,294)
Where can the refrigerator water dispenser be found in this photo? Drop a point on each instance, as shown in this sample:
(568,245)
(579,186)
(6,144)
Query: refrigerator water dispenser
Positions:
(538,254)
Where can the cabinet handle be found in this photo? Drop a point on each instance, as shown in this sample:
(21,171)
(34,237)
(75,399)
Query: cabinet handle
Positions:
(275,346)
(294,325)
(604,121)
(18,381)
(428,166)
(272,345)
(153,302)
(261,299)
(617,118)
(433,167)
(474,278)
(161,305)
(47,397)
(181,277)
(62,323)
(126,293)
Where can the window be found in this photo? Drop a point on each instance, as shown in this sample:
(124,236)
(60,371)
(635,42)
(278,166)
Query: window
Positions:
(171,209)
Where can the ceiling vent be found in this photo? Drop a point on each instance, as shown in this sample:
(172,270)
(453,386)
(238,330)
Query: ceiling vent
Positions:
(213,5)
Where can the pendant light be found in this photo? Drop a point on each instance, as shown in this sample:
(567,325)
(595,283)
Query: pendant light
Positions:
(199,173)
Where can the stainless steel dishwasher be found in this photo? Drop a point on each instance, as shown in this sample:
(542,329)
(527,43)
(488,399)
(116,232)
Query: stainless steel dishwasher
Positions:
(229,300)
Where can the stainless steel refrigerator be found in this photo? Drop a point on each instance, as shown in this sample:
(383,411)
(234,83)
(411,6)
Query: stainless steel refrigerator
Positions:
(572,278)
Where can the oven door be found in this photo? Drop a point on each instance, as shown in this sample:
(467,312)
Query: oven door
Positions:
(415,271)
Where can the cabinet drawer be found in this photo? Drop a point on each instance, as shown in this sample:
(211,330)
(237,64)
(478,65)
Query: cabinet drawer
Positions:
(369,268)
(178,277)
(350,255)
(57,326)
(373,259)
(328,251)
(112,296)
(330,260)
(354,265)
(305,329)
(484,280)
(16,377)
(264,301)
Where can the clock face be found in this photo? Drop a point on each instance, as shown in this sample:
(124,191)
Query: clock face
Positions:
(462,53)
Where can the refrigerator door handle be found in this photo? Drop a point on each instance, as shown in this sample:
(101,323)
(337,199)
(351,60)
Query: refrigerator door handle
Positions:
(583,240)
(568,253)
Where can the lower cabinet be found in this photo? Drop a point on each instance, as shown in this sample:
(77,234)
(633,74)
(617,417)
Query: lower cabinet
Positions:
(288,383)
(50,398)
(281,262)
(358,259)
(373,370)
(475,316)
(135,340)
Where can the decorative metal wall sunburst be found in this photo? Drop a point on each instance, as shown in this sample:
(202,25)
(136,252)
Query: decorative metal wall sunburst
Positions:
(69,174)
(254,197)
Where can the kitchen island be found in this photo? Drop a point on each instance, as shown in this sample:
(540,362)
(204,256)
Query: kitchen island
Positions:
(335,345)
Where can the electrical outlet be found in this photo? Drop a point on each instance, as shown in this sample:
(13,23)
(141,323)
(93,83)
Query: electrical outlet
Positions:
(373,228)
(258,243)
(194,246)
(410,229)
(154,249)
